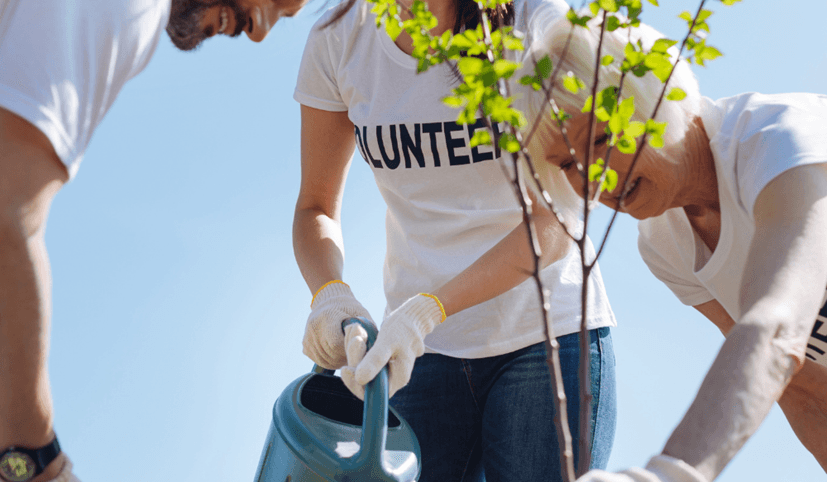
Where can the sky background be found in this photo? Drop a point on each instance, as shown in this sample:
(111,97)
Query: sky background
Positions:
(179,309)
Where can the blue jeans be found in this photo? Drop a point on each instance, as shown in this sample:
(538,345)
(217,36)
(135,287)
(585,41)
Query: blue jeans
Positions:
(491,419)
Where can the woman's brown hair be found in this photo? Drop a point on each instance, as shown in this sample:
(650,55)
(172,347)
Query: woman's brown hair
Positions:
(468,15)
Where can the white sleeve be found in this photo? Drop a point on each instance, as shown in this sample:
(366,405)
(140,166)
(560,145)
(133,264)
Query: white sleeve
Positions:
(666,253)
(790,130)
(317,84)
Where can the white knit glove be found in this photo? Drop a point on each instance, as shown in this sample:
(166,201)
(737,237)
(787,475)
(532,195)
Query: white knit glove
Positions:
(661,468)
(400,342)
(324,342)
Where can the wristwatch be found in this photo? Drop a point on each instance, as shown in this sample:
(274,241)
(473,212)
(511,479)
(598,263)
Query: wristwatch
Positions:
(18,464)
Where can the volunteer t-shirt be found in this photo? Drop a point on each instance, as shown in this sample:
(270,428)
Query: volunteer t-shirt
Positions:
(447,203)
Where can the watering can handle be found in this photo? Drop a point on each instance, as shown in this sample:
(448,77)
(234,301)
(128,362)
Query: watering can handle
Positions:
(369,327)
(375,434)
(375,414)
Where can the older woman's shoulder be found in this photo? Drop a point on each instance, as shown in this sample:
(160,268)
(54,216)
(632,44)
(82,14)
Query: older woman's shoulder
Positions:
(754,104)
(755,137)
(745,115)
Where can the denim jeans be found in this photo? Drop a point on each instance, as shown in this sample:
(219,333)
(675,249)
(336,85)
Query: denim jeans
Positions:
(491,419)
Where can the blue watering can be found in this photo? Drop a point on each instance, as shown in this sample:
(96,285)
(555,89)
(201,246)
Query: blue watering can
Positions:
(320,432)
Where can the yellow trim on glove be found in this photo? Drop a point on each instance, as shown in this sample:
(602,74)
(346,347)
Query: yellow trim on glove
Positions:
(325,286)
(439,303)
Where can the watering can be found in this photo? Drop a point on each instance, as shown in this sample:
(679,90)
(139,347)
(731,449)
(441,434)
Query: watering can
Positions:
(320,432)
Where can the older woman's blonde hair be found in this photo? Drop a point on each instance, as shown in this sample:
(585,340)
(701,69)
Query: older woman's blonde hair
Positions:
(580,58)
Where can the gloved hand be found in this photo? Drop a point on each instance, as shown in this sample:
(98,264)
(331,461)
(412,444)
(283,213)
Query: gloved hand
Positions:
(324,342)
(400,342)
(661,468)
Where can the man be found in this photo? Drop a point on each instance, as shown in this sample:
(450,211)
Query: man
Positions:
(62,63)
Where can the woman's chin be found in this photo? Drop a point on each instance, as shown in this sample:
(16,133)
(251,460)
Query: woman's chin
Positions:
(639,208)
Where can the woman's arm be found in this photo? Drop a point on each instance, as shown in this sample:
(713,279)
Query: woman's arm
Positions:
(506,264)
(327,146)
(782,289)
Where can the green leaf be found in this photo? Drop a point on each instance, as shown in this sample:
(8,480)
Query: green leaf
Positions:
(470,66)
(466,117)
(659,64)
(729,3)
(595,170)
(481,137)
(607,98)
(627,145)
(561,116)
(587,106)
(655,128)
(654,2)
(509,143)
(676,94)
(543,67)
(513,43)
(615,123)
(575,19)
(453,101)
(655,131)
(505,68)
(634,56)
(606,60)
(393,28)
(634,129)
(612,23)
(707,53)
(610,184)
(572,83)
(662,45)
(608,5)
(656,141)
(627,109)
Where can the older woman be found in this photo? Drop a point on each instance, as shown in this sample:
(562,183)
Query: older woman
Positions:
(733,217)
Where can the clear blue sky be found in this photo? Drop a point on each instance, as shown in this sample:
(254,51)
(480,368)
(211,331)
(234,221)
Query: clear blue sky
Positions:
(178,307)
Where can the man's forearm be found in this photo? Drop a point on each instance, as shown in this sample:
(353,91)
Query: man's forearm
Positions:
(30,176)
(25,400)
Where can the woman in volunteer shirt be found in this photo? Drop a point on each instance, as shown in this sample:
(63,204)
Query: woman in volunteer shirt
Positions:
(456,271)
(733,217)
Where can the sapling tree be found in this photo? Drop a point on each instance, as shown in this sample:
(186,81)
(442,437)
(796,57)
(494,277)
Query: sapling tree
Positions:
(486,61)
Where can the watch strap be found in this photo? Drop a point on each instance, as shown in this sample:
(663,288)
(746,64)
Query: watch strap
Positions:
(41,457)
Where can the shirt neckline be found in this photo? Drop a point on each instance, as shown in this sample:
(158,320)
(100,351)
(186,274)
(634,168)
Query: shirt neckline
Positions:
(393,50)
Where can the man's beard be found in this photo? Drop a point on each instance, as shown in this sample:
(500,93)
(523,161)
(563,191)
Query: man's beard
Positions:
(184,27)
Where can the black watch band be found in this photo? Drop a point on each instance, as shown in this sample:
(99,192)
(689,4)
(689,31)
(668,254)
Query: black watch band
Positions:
(18,464)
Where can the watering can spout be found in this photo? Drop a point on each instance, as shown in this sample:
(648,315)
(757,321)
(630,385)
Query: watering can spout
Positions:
(317,424)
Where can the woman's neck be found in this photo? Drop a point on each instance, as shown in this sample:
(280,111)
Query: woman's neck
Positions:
(703,207)
(444,11)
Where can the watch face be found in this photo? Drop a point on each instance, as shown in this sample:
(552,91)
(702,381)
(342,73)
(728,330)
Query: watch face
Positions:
(16,467)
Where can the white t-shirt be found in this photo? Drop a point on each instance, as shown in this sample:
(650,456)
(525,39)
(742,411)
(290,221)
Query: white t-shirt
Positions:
(447,204)
(754,138)
(63,62)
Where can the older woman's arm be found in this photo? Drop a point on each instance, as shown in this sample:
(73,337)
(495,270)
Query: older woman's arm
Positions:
(783,285)
(804,402)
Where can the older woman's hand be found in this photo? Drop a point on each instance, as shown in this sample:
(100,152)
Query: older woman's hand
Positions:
(661,468)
